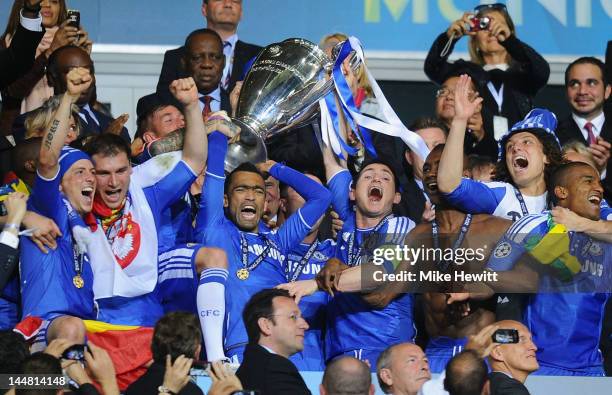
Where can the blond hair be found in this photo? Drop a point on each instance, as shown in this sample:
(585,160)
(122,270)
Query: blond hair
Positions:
(39,120)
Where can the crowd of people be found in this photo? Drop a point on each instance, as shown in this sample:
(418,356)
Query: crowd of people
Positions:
(129,259)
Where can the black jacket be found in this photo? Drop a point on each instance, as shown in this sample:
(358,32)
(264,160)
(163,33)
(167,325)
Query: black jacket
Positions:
(172,67)
(153,378)
(527,74)
(269,373)
(568,130)
(502,384)
(17,59)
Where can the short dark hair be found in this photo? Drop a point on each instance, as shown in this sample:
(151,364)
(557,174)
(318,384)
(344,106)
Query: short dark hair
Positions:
(475,161)
(40,363)
(246,167)
(587,60)
(260,306)
(550,147)
(466,374)
(108,144)
(197,33)
(428,122)
(25,150)
(558,178)
(177,333)
(338,380)
(380,161)
(13,351)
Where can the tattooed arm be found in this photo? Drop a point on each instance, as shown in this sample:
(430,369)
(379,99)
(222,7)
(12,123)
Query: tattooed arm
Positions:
(174,140)
(78,80)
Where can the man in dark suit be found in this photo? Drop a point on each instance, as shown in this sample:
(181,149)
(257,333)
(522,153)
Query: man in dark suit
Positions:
(176,335)
(223,17)
(61,61)
(203,60)
(276,329)
(512,363)
(19,56)
(587,90)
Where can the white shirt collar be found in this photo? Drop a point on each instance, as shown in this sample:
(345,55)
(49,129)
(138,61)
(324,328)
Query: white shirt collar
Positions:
(233,39)
(501,66)
(268,349)
(216,94)
(597,122)
(91,114)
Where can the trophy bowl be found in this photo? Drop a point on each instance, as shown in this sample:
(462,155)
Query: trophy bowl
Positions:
(280,93)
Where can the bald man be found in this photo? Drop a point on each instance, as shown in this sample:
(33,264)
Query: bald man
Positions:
(347,375)
(402,369)
(512,363)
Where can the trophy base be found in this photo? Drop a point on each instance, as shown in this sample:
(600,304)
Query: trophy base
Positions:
(249,148)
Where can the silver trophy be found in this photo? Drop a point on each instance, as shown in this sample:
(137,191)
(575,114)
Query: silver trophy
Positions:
(280,92)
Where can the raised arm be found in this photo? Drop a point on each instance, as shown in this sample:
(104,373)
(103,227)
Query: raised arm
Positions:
(78,80)
(195,148)
(450,170)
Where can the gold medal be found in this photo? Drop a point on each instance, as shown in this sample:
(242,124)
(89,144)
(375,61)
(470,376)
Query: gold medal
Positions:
(78,281)
(242,274)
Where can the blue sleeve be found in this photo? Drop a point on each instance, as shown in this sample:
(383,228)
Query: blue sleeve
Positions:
(475,197)
(317,199)
(46,198)
(339,186)
(605,212)
(171,188)
(513,245)
(211,201)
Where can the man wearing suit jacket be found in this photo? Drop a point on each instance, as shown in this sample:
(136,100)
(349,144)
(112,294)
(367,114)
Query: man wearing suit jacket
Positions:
(61,61)
(276,329)
(587,89)
(203,60)
(19,56)
(512,363)
(223,17)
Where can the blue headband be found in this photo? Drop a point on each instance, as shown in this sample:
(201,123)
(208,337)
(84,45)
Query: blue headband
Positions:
(68,156)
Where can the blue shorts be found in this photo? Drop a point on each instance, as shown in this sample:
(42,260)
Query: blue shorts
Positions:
(547,370)
(177,279)
(440,350)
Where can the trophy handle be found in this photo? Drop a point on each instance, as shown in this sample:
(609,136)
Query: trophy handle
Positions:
(249,148)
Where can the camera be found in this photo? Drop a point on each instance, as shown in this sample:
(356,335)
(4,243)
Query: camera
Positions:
(506,336)
(478,23)
(75,352)
(199,368)
(74,18)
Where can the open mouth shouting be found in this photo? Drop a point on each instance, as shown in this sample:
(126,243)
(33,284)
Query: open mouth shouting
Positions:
(112,195)
(88,193)
(375,193)
(520,163)
(594,198)
(248,212)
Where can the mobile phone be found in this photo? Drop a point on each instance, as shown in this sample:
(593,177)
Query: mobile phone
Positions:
(75,352)
(245,392)
(506,336)
(199,368)
(74,18)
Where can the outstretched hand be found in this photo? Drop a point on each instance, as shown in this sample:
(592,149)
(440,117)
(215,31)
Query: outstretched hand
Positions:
(464,106)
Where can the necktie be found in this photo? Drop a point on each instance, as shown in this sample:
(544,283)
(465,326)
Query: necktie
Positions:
(207,110)
(589,128)
(91,127)
(227,70)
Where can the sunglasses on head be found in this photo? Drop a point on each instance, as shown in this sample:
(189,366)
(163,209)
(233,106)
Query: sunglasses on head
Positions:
(484,7)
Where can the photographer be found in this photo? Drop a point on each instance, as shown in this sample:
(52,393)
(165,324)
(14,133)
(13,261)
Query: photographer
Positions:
(514,71)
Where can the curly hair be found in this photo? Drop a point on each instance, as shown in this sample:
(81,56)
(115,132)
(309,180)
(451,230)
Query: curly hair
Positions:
(550,148)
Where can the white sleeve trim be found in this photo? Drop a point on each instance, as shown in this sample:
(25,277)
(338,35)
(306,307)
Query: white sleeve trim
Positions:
(335,174)
(49,179)
(299,212)
(215,176)
(9,239)
(190,169)
(32,24)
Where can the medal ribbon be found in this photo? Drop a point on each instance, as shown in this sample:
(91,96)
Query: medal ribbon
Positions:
(352,258)
(300,266)
(244,247)
(435,232)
